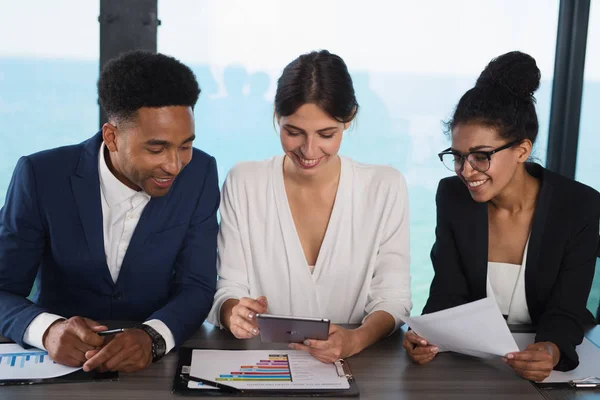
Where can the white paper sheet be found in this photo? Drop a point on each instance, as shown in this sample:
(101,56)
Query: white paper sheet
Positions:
(477,329)
(18,363)
(265,369)
(589,360)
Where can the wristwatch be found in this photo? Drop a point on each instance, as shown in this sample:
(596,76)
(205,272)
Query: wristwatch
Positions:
(159,345)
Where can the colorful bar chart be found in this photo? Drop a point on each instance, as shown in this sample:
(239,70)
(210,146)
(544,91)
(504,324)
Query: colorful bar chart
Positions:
(275,369)
(18,360)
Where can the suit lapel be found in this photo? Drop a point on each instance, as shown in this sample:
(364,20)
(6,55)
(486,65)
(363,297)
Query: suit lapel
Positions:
(540,217)
(85,185)
(480,246)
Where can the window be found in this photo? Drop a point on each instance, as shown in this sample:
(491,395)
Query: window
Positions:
(410,62)
(588,162)
(589,143)
(48,72)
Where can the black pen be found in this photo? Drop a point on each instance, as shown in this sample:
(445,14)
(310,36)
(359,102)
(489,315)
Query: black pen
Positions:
(225,388)
(111,332)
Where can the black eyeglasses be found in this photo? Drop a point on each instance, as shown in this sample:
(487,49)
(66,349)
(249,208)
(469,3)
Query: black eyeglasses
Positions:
(479,160)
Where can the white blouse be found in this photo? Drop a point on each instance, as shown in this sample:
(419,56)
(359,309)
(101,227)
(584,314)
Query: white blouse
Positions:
(363,262)
(506,284)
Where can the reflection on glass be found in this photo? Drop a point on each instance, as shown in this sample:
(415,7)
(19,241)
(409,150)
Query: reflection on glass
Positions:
(588,163)
(409,66)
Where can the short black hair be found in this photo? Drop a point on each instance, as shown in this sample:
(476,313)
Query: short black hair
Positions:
(503,98)
(142,79)
(319,78)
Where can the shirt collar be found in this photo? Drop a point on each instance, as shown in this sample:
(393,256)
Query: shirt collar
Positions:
(113,190)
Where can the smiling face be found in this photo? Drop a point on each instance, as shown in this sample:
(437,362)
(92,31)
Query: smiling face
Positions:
(311,138)
(485,186)
(149,152)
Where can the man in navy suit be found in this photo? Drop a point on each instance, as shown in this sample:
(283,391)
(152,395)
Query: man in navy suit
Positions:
(120,227)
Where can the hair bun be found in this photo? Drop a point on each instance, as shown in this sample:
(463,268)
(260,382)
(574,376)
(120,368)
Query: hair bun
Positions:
(514,71)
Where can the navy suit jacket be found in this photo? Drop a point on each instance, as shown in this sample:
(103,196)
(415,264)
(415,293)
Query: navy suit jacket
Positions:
(560,262)
(51,233)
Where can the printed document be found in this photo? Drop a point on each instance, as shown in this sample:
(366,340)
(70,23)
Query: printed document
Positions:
(265,369)
(477,329)
(18,363)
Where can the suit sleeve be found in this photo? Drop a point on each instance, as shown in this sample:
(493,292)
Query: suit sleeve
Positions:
(561,322)
(449,287)
(22,243)
(195,278)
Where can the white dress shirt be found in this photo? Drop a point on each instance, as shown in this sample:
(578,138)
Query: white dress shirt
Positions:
(122,208)
(506,285)
(363,262)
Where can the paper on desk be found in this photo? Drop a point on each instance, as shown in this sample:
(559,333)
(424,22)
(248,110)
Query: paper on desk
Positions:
(589,360)
(265,369)
(18,363)
(477,329)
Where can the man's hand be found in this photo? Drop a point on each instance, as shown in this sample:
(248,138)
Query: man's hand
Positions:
(127,352)
(67,341)
(341,343)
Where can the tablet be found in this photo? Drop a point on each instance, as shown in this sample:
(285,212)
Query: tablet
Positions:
(280,328)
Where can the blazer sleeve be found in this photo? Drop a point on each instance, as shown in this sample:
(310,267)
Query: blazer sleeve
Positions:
(562,321)
(22,243)
(390,286)
(449,287)
(231,264)
(195,277)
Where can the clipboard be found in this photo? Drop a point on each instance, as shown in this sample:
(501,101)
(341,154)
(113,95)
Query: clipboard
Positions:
(180,383)
(74,377)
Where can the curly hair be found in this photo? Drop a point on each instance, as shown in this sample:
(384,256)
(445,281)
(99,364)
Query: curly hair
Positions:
(142,79)
(503,98)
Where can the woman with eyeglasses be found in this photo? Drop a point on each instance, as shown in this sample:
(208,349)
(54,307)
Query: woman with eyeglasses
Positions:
(509,229)
(310,233)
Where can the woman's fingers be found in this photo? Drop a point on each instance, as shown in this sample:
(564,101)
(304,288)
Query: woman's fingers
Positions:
(253,305)
(412,337)
(419,353)
(242,328)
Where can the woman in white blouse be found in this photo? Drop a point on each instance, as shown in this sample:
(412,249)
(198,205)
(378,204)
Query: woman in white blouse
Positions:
(311,233)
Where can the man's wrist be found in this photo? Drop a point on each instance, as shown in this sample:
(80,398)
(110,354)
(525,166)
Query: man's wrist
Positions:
(158,344)
(52,325)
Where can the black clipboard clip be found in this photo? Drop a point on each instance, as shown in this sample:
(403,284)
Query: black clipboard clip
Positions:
(591,382)
(343,369)
(185,376)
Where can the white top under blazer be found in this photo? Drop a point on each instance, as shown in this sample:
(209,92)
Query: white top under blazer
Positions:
(506,284)
(363,263)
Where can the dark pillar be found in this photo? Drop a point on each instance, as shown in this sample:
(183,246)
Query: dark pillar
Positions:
(126,25)
(567,87)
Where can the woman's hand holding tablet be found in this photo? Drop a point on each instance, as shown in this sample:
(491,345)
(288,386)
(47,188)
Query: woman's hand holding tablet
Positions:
(241,320)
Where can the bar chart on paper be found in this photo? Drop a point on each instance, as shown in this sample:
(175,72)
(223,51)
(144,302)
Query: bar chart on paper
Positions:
(274,369)
(18,359)
(18,363)
(264,369)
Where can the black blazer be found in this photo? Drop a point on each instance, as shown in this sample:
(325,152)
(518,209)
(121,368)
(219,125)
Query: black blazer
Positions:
(560,261)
